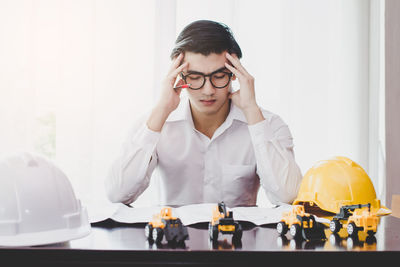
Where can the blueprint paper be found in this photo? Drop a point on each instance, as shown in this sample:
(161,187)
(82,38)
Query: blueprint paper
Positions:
(189,214)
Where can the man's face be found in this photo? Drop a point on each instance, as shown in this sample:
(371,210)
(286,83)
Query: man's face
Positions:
(208,99)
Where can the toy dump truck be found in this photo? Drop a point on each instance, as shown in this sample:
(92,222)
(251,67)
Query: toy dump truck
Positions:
(355,218)
(164,224)
(222,222)
(301,224)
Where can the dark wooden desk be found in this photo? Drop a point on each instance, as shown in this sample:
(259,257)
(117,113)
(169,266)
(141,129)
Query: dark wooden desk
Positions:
(114,244)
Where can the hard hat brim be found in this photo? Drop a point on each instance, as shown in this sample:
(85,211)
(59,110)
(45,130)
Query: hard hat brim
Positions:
(48,237)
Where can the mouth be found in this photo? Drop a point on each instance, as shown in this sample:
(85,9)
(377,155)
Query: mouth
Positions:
(208,102)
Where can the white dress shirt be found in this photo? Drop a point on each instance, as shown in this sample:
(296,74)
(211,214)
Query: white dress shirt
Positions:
(194,169)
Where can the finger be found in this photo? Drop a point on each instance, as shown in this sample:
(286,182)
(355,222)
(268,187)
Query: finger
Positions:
(179,69)
(176,62)
(236,63)
(172,77)
(234,71)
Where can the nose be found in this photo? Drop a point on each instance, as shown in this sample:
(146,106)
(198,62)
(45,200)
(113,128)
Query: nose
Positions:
(208,88)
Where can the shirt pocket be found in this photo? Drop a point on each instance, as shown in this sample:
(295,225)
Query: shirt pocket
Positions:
(239,184)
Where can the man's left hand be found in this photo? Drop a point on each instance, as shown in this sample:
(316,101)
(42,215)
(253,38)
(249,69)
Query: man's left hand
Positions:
(245,97)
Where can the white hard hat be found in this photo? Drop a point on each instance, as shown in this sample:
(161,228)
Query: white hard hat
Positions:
(37,203)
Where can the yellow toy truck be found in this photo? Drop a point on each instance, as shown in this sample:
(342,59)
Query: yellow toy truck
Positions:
(300,224)
(355,218)
(222,222)
(164,224)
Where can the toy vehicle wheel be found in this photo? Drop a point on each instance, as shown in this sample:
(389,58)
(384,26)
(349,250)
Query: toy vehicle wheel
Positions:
(148,231)
(352,229)
(211,231)
(282,228)
(335,226)
(295,230)
(158,235)
(371,233)
(214,233)
(238,231)
(183,238)
(371,239)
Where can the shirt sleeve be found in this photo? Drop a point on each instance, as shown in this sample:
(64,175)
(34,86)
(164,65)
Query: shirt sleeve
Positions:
(130,173)
(279,173)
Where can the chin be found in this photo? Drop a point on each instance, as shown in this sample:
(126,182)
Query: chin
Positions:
(207,110)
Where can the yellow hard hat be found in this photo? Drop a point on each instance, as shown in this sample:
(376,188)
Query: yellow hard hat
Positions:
(335,182)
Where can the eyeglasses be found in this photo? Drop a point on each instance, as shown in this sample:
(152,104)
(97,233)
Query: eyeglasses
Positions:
(219,79)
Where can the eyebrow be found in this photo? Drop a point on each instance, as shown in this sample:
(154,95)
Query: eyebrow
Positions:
(197,72)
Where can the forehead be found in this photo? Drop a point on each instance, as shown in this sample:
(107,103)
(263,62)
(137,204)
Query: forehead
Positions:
(205,64)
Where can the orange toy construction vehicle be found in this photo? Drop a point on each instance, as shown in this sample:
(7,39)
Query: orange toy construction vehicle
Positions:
(222,222)
(300,224)
(355,217)
(164,224)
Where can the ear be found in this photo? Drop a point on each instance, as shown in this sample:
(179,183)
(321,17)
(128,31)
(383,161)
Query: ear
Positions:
(233,77)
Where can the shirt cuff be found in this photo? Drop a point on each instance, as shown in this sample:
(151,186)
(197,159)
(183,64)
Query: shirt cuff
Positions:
(261,132)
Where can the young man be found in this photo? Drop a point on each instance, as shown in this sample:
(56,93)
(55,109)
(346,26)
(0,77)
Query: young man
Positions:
(213,146)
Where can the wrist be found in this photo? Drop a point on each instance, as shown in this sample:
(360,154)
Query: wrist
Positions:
(163,108)
(253,114)
(251,108)
(157,118)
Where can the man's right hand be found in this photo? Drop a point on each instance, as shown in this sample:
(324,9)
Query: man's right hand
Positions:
(169,98)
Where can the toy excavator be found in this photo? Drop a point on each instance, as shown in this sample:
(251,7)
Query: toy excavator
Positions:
(355,218)
(301,224)
(222,222)
(164,224)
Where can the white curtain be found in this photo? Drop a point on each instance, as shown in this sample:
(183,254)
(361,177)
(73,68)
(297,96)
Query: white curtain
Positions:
(75,74)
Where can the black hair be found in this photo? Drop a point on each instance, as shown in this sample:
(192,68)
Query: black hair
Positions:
(206,37)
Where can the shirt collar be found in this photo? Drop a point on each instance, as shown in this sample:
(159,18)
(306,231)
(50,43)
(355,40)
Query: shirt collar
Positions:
(183,113)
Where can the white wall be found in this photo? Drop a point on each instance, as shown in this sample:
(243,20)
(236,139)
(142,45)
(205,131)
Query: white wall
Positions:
(95,65)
